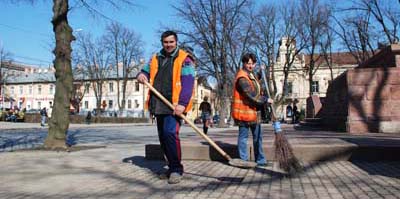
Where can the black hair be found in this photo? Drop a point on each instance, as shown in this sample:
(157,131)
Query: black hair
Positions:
(169,33)
(246,57)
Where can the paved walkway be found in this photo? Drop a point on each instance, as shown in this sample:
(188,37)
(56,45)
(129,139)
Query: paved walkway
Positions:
(121,171)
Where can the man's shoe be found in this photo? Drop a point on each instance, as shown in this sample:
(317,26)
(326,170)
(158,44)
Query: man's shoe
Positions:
(174,178)
(164,175)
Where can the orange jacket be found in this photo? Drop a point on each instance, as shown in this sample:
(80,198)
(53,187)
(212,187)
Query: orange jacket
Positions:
(242,110)
(176,78)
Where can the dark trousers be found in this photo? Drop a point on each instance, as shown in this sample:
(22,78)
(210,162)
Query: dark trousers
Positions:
(168,133)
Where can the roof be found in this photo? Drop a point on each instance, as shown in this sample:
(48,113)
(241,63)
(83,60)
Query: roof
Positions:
(339,58)
(50,77)
(32,78)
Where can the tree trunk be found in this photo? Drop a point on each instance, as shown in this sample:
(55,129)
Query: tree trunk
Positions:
(59,121)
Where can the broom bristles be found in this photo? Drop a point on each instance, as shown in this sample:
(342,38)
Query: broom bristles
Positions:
(284,154)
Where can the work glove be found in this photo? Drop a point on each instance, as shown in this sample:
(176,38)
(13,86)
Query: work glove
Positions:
(267,100)
(277,127)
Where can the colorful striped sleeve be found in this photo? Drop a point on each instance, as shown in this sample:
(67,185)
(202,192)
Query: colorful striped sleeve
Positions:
(145,70)
(187,81)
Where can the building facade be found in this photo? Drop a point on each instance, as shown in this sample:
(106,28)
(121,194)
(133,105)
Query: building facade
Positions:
(34,88)
(298,84)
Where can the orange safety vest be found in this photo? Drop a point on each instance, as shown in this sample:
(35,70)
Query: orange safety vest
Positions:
(176,78)
(242,110)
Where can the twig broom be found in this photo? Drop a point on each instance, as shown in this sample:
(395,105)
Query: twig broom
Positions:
(284,155)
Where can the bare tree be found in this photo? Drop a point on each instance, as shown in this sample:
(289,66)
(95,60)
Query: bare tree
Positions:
(314,20)
(127,48)
(59,123)
(385,15)
(219,30)
(366,24)
(291,45)
(95,62)
(356,36)
(265,36)
(326,48)
(5,56)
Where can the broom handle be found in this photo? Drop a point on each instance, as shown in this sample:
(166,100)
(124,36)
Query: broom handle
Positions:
(267,88)
(159,95)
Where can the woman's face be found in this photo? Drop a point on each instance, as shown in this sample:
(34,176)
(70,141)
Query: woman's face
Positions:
(250,65)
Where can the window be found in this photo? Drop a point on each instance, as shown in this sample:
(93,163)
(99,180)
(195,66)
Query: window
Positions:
(111,87)
(12,90)
(30,90)
(123,103)
(39,104)
(21,90)
(87,86)
(136,86)
(129,104)
(39,89)
(51,89)
(136,104)
(86,104)
(110,104)
(290,88)
(315,87)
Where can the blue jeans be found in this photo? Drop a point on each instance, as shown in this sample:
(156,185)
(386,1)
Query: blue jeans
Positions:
(257,142)
(43,121)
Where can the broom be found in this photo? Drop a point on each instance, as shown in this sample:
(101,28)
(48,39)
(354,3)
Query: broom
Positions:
(236,162)
(287,161)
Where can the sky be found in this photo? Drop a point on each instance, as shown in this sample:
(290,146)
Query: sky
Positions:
(26,30)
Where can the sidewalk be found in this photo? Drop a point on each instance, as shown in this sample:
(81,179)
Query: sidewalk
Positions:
(24,125)
(120,171)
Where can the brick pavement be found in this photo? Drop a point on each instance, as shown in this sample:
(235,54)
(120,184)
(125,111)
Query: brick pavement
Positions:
(121,171)
(113,173)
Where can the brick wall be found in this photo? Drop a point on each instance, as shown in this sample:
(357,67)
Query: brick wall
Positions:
(373,100)
(367,98)
(334,110)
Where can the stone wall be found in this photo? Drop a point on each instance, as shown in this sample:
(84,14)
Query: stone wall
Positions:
(334,110)
(373,100)
(367,98)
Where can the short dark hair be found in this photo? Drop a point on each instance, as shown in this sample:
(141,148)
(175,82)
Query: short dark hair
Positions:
(246,57)
(169,33)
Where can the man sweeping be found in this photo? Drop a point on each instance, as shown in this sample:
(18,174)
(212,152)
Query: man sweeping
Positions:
(246,109)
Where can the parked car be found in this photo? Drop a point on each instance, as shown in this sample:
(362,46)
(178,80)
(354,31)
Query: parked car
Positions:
(216,119)
(198,120)
(30,111)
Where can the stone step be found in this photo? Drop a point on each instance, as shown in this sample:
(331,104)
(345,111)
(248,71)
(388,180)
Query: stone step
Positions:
(306,153)
(312,122)
(309,144)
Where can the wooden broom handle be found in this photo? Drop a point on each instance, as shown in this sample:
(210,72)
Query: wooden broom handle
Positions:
(159,95)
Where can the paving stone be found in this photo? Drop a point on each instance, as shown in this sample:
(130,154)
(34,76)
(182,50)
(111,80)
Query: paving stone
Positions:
(101,173)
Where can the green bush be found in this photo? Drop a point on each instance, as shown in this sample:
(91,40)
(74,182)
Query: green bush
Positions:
(302,115)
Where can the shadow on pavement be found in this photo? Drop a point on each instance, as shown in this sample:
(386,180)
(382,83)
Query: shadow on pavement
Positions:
(155,166)
(387,169)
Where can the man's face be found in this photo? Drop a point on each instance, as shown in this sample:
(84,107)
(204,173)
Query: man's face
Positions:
(250,65)
(169,43)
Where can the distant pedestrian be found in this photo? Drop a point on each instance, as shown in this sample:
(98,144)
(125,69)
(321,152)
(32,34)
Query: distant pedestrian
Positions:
(43,115)
(205,108)
(88,117)
(289,112)
(50,111)
(296,114)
